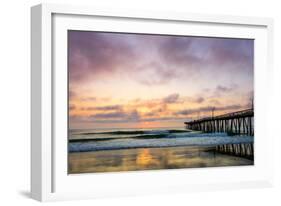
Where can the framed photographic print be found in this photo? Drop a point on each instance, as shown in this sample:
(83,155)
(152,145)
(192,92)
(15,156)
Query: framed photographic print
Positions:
(138,102)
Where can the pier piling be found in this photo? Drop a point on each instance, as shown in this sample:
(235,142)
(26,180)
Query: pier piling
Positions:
(240,122)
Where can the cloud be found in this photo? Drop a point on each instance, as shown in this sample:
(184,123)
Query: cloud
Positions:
(233,51)
(154,73)
(193,111)
(122,116)
(111,115)
(150,114)
(168,118)
(153,116)
(99,59)
(224,90)
(88,99)
(103,108)
(194,55)
(147,103)
(187,112)
(199,100)
(155,59)
(110,107)
(91,99)
(160,103)
(229,107)
(133,116)
(115,118)
(92,54)
(71,94)
(178,51)
(155,112)
(72,107)
(172,98)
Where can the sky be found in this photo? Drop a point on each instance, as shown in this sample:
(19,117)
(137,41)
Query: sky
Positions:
(121,80)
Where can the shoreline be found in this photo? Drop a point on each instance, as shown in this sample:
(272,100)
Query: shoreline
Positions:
(178,157)
(151,146)
(148,147)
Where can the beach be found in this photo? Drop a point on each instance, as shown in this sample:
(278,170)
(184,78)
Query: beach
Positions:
(151,159)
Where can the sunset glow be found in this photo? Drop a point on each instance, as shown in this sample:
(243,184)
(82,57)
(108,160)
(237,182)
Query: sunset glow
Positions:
(119,80)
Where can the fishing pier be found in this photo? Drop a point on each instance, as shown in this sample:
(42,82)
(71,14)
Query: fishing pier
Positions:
(240,122)
(235,123)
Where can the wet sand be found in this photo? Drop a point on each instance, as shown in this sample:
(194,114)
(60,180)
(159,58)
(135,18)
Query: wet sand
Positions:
(150,159)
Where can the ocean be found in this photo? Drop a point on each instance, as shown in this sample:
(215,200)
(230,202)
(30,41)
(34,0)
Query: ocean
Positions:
(114,139)
(115,150)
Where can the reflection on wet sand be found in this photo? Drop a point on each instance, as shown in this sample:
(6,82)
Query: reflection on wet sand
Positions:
(144,158)
(150,159)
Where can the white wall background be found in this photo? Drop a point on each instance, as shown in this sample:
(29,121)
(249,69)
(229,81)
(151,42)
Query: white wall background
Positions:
(15,103)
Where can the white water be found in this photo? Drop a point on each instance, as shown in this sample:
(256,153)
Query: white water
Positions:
(149,138)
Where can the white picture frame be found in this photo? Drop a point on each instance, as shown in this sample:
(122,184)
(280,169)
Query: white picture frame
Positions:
(49,178)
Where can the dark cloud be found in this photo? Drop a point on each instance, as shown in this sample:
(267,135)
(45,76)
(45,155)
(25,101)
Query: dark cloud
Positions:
(95,53)
(154,60)
(94,99)
(224,90)
(194,111)
(194,54)
(72,107)
(110,107)
(172,98)
(103,108)
(133,116)
(111,115)
(199,100)
(235,51)
(178,51)
(88,99)
(187,112)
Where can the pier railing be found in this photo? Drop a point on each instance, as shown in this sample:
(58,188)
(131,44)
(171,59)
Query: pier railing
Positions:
(239,122)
